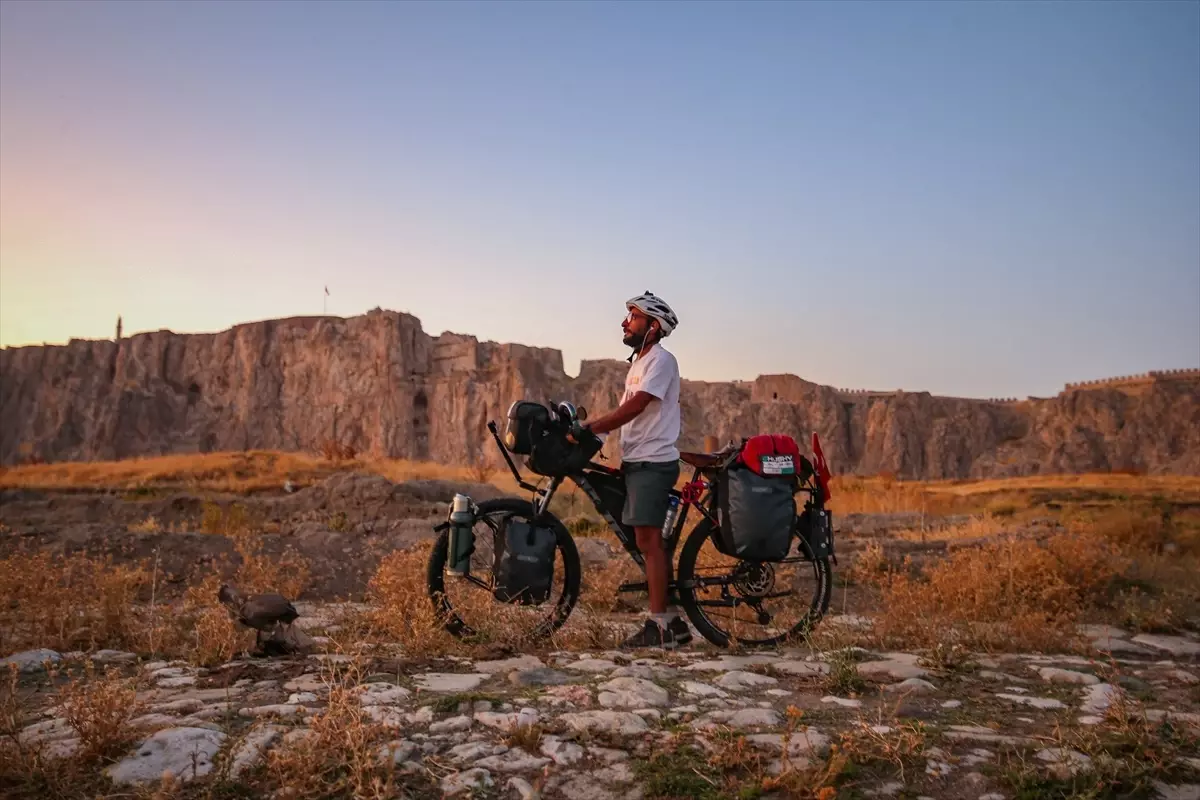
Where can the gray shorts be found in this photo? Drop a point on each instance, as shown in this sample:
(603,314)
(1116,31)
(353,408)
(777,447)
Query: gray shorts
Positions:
(647,487)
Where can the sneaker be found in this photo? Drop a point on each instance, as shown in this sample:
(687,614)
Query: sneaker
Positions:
(651,635)
(680,631)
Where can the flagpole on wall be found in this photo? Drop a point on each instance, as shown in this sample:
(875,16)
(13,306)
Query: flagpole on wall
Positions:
(325,302)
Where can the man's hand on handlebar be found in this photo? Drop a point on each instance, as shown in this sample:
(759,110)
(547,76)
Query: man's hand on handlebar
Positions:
(577,432)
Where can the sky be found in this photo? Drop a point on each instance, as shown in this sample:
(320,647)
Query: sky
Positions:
(977,199)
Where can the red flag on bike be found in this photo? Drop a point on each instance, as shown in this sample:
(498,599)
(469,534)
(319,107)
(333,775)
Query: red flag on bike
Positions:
(823,474)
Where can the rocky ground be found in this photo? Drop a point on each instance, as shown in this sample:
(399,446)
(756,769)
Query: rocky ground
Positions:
(651,724)
(1122,720)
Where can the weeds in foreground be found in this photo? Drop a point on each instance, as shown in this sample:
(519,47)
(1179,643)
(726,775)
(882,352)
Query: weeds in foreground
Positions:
(99,710)
(341,752)
(843,678)
(1124,757)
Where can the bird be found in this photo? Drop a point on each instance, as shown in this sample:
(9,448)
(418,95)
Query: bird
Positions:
(262,612)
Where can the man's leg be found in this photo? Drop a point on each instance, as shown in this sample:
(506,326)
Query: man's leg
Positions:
(647,488)
(649,541)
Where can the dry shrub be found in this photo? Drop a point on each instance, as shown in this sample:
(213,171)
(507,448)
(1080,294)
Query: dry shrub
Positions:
(402,611)
(1131,530)
(79,601)
(867,565)
(902,747)
(287,573)
(340,756)
(1010,593)
(148,525)
(67,602)
(99,709)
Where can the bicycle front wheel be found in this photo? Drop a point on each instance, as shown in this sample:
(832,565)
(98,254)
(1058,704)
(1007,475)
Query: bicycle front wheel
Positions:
(467,606)
(749,603)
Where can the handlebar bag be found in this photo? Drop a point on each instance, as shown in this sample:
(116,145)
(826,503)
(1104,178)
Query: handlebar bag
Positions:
(554,456)
(527,424)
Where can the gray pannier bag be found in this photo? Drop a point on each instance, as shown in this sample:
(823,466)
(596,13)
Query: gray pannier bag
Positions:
(756,500)
(525,564)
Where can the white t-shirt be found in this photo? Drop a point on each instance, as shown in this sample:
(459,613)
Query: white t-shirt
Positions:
(652,435)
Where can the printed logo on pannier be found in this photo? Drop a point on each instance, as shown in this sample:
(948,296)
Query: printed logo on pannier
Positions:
(777,465)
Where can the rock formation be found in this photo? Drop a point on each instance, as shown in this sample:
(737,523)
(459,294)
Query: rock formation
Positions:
(379,384)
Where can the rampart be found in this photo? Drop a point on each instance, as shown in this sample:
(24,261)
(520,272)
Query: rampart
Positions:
(1136,381)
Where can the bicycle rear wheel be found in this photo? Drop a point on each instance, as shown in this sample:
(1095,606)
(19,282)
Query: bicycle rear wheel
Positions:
(467,607)
(730,601)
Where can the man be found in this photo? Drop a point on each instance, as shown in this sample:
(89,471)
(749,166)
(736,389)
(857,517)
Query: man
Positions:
(649,419)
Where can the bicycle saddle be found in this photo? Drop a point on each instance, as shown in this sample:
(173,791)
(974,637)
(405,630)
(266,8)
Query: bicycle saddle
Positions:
(703,460)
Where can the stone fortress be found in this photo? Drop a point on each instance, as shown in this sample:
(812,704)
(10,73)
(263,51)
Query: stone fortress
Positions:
(379,385)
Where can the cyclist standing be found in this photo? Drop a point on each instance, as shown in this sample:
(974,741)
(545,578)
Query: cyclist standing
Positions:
(649,419)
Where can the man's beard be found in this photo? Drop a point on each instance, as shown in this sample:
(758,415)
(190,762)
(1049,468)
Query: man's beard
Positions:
(635,340)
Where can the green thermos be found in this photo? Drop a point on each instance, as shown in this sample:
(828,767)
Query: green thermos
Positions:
(461,543)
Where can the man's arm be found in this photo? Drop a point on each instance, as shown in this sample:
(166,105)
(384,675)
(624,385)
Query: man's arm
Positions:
(624,413)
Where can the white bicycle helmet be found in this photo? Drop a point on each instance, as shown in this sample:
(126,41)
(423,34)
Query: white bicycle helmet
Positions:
(655,307)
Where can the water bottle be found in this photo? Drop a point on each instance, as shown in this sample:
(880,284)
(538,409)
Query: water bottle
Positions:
(462,536)
(672,513)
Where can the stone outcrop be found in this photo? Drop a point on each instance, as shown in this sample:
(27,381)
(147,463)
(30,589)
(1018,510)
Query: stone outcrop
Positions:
(381,385)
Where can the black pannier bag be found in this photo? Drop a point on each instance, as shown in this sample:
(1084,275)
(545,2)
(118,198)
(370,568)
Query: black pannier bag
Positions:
(816,527)
(756,500)
(524,571)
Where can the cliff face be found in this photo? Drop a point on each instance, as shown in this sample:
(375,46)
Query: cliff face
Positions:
(382,385)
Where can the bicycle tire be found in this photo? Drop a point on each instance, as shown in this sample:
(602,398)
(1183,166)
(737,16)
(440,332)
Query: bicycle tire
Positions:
(691,603)
(435,578)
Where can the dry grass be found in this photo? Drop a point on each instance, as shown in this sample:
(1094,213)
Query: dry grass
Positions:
(1009,589)
(401,611)
(340,755)
(1011,593)
(79,601)
(243,473)
(68,602)
(99,710)
(887,495)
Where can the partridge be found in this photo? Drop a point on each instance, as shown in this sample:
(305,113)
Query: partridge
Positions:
(262,612)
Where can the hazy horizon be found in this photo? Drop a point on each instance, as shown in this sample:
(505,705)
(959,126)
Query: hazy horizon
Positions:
(976,200)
